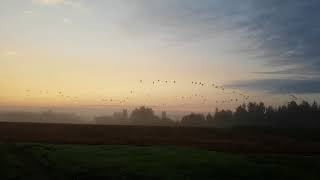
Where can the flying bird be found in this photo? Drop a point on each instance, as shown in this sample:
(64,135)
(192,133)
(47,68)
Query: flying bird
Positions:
(293,96)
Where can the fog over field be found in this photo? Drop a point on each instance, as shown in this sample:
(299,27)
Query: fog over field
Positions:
(159,89)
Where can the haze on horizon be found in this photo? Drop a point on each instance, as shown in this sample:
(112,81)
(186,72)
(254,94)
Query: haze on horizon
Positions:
(127,53)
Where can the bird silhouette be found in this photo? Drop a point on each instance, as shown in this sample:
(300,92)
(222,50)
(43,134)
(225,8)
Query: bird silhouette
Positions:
(294,97)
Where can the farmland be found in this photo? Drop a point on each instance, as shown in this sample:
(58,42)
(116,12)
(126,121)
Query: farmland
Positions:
(226,140)
(63,151)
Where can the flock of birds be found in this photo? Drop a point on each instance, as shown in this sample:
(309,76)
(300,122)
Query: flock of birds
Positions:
(203,99)
(59,94)
(197,97)
(229,96)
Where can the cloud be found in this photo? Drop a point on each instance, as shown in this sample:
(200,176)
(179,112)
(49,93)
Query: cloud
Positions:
(289,36)
(182,21)
(281,86)
(76,4)
(289,33)
(283,36)
(280,33)
(49,2)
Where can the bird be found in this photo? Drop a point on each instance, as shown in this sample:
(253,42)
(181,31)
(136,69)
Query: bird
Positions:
(293,96)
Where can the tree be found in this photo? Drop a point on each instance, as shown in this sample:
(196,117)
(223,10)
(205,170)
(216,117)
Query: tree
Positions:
(143,116)
(223,115)
(241,112)
(209,119)
(314,106)
(194,120)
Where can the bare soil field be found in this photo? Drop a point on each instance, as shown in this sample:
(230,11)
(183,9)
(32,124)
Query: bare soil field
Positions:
(225,140)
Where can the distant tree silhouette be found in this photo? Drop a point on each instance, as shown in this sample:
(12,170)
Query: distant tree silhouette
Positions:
(143,116)
(269,114)
(223,115)
(146,116)
(241,112)
(194,120)
(314,106)
(256,114)
(209,119)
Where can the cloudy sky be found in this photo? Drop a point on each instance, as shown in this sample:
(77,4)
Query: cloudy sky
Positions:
(100,49)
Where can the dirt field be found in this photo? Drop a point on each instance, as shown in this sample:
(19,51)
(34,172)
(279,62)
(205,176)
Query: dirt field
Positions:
(227,140)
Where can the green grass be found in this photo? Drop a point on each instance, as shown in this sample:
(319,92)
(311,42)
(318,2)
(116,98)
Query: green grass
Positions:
(43,161)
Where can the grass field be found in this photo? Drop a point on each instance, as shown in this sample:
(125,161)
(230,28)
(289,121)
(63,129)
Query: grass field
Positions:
(44,162)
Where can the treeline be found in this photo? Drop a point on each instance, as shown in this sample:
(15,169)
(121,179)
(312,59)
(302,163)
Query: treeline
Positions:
(139,116)
(257,114)
(291,115)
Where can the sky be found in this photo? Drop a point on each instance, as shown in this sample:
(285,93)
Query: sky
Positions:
(108,53)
